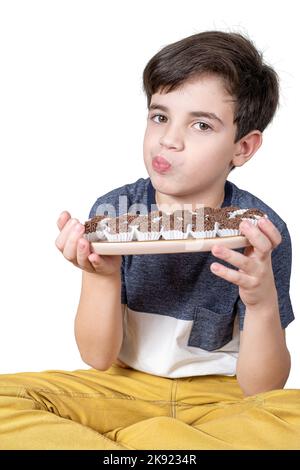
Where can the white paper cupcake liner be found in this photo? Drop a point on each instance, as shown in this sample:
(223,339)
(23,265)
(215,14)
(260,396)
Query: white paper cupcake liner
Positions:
(204,234)
(146,236)
(119,237)
(252,221)
(100,234)
(174,235)
(94,237)
(226,232)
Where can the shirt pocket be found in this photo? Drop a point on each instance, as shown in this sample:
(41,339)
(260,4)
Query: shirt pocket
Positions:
(211,330)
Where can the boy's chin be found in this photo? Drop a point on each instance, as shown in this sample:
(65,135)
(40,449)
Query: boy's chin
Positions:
(163,184)
(167,189)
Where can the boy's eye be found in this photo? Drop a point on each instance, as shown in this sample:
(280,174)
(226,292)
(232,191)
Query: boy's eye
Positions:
(157,115)
(203,125)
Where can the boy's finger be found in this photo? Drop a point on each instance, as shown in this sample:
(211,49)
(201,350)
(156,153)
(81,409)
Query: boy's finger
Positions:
(94,259)
(231,275)
(260,241)
(83,251)
(70,247)
(270,230)
(63,219)
(64,234)
(233,257)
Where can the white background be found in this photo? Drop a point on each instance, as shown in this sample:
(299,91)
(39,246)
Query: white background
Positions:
(72,118)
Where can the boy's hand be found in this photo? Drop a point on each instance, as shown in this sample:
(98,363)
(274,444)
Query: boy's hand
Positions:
(77,249)
(255,274)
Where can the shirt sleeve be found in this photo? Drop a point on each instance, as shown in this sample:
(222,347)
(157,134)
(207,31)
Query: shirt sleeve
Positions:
(102,201)
(282,264)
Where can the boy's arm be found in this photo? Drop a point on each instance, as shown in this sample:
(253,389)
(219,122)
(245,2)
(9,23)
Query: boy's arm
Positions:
(264,361)
(99,320)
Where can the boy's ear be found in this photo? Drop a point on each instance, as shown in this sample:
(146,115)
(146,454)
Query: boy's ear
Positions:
(246,147)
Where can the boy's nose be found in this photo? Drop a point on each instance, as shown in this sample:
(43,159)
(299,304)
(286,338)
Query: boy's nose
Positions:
(171,139)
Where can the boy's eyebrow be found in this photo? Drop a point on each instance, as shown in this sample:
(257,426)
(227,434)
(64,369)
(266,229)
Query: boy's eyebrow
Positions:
(191,113)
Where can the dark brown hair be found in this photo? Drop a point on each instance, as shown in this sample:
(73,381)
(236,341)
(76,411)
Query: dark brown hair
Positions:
(253,84)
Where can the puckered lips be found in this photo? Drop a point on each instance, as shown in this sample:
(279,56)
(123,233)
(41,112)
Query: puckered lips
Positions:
(161,164)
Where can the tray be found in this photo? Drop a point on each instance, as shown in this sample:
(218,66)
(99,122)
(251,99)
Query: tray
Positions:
(167,246)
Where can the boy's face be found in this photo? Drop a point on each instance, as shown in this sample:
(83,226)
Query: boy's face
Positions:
(200,149)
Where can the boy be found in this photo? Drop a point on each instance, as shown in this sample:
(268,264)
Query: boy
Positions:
(186,352)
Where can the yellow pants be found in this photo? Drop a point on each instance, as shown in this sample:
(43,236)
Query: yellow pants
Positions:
(121,409)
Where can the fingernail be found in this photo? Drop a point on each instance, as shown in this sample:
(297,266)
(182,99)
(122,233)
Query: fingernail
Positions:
(215,267)
(81,245)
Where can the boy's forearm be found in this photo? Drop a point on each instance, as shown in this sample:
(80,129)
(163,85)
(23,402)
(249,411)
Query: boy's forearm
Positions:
(264,361)
(99,322)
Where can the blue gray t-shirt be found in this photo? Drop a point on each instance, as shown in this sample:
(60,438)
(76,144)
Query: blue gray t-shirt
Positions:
(180,319)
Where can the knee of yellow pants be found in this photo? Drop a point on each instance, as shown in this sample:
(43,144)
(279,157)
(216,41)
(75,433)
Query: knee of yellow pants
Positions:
(149,434)
(165,433)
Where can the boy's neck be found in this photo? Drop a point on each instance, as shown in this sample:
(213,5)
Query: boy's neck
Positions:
(210,199)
